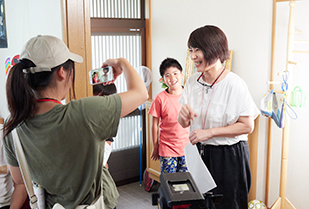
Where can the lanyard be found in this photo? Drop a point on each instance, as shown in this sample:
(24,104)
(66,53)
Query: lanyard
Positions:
(208,87)
(48,100)
(204,121)
(213,83)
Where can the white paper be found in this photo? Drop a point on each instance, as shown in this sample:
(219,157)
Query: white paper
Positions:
(107,152)
(40,195)
(198,170)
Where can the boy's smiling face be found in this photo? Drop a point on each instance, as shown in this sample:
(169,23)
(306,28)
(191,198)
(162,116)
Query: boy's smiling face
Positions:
(173,78)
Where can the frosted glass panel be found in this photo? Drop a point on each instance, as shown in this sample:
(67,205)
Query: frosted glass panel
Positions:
(128,9)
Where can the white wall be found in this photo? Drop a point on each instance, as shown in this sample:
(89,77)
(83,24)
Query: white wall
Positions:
(247,25)
(25,19)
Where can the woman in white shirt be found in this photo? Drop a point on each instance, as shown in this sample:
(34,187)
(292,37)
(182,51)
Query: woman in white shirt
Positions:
(219,109)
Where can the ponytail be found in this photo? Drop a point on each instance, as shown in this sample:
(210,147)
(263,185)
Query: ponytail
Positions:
(21,90)
(20,97)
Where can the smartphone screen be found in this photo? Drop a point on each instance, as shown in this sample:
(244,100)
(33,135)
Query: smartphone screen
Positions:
(101,75)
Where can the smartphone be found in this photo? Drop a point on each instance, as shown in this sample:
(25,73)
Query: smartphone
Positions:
(101,75)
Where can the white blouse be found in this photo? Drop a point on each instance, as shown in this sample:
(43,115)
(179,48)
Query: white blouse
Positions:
(219,106)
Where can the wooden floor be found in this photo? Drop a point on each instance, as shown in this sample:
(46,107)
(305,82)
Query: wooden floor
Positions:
(134,196)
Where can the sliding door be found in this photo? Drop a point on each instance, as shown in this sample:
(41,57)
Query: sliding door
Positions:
(118,30)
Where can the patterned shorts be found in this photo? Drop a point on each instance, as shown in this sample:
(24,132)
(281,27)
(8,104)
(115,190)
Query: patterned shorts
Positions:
(173,164)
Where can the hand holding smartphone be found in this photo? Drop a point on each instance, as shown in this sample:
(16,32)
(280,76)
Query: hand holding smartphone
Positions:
(101,75)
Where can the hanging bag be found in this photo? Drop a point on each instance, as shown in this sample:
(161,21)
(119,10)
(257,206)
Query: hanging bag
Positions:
(269,108)
(298,98)
(98,203)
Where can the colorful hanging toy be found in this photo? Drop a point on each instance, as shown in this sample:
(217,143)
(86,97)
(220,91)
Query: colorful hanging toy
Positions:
(9,63)
(163,85)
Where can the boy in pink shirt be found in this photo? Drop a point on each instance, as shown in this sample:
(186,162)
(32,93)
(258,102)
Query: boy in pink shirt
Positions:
(169,143)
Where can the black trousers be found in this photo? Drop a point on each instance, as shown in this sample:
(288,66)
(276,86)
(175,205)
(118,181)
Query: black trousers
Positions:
(229,166)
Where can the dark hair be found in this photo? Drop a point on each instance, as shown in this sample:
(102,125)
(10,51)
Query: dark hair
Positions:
(212,41)
(101,90)
(167,63)
(21,88)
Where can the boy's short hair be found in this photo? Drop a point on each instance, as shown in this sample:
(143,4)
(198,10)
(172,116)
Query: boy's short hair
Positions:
(212,41)
(167,63)
(101,90)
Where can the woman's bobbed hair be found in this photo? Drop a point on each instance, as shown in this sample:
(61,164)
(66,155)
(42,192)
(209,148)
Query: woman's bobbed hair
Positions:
(212,41)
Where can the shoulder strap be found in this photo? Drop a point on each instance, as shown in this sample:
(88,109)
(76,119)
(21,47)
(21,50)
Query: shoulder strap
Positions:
(23,166)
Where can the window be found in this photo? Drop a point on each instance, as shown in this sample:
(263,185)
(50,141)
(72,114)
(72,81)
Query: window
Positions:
(118,30)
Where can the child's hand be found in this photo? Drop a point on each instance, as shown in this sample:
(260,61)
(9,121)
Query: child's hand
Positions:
(155,154)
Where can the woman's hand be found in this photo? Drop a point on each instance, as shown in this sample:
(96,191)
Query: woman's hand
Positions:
(185,115)
(117,68)
(244,125)
(136,93)
(198,135)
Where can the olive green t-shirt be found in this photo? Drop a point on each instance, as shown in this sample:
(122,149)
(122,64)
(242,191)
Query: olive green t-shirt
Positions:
(64,148)
(110,191)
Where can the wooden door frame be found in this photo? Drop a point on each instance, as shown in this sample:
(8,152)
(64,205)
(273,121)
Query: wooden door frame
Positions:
(77,36)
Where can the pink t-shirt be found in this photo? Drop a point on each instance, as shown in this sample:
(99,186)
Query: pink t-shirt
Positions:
(173,137)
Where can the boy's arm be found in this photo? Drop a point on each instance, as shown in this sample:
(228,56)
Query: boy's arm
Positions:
(155,141)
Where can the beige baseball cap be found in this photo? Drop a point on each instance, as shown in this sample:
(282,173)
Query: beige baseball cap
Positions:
(47,52)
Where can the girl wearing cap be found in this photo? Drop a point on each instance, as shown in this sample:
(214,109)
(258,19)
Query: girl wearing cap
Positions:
(219,109)
(63,144)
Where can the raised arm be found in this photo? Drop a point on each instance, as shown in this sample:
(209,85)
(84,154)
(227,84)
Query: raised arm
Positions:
(137,93)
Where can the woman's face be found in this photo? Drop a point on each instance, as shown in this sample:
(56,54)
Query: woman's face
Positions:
(197,57)
(200,63)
